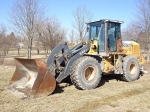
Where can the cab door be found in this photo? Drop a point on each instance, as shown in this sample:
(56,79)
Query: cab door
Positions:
(114,37)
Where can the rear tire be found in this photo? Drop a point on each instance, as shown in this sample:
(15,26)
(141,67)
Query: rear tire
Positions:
(86,73)
(131,69)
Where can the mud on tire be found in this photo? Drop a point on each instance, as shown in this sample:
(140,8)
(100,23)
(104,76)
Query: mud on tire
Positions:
(131,68)
(86,73)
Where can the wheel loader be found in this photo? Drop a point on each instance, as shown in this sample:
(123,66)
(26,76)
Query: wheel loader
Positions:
(104,53)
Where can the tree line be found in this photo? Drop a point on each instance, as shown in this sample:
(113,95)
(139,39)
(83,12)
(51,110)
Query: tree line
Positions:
(7,41)
(28,21)
(27,17)
(139,28)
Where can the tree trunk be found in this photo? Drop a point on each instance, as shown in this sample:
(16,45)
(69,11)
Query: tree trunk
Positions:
(38,51)
(18,51)
(29,48)
(45,50)
(5,51)
(147,54)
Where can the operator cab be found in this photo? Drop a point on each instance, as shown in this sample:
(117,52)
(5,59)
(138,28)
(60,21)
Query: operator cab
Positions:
(108,34)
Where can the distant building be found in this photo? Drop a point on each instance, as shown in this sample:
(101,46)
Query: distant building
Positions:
(20,45)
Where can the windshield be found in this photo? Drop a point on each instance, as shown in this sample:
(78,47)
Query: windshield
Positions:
(94,30)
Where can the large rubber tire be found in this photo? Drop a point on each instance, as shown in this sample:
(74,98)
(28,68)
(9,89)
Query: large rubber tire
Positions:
(131,68)
(86,73)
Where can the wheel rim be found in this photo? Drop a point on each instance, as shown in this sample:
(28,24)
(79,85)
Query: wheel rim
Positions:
(89,73)
(132,69)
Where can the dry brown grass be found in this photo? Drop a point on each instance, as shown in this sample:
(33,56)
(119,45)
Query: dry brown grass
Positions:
(113,95)
(8,60)
(147,66)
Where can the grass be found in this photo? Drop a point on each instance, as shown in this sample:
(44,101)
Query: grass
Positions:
(23,53)
(13,53)
(148,107)
(113,95)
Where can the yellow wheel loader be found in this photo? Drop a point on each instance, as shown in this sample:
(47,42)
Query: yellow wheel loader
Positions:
(104,53)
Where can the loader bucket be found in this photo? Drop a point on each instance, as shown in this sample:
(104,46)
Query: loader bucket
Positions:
(31,79)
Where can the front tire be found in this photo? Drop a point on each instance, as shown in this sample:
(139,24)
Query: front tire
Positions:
(86,73)
(131,69)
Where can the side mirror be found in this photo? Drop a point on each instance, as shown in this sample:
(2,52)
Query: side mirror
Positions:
(87,29)
(109,26)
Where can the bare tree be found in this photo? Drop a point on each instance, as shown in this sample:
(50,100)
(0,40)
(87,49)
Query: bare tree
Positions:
(143,16)
(141,39)
(50,33)
(72,37)
(23,17)
(11,41)
(2,42)
(131,32)
(38,46)
(81,16)
(2,35)
(54,33)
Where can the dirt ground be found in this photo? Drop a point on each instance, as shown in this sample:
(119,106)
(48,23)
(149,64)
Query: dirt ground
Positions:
(112,95)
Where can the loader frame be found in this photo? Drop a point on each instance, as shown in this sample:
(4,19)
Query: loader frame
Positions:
(59,65)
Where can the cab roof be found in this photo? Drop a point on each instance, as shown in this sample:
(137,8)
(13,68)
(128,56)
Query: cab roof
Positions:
(107,20)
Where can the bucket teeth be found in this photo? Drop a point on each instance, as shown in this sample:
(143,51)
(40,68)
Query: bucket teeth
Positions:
(31,79)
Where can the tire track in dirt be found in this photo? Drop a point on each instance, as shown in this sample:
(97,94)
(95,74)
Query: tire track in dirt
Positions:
(108,100)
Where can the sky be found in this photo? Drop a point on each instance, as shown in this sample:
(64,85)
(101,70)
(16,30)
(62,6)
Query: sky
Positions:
(122,10)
